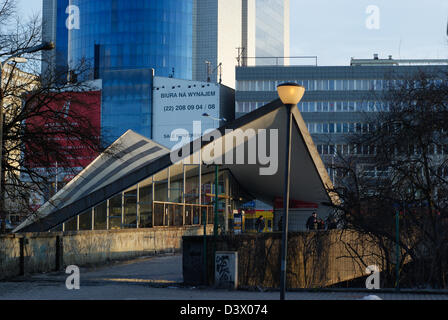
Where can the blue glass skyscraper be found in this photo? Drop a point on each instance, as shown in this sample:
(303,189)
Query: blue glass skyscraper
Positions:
(123,41)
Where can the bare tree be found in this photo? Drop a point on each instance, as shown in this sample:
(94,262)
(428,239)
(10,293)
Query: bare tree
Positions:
(39,129)
(404,172)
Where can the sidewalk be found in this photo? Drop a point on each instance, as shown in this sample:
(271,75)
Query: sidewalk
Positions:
(160,278)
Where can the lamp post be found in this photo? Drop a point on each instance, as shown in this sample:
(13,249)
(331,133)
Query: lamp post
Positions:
(215,222)
(290,94)
(16,57)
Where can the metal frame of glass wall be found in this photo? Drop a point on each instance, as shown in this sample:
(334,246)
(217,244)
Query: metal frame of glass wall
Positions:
(162,200)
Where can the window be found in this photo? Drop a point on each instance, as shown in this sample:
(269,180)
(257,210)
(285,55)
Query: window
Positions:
(339,106)
(311,85)
(331,85)
(351,128)
(351,84)
(338,85)
(310,127)
(325,106)
(305,107)
(85,220)
(130,209)
(319,107)
(311,106)
(351,106)
(338,127)
(100,216)
(331,106)
(331,127)
(325,85)
(115,212)
(345,127)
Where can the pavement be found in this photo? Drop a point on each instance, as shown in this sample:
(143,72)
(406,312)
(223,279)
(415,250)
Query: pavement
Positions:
(160,278)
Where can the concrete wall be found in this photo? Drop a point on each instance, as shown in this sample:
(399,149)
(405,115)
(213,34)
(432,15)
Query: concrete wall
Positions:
(39,252)
(315,259)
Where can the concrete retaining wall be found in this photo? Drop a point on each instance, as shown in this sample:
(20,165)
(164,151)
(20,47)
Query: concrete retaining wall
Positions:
(44,252)
(315,259)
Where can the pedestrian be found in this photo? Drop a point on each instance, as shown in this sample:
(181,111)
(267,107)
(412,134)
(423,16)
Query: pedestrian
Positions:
(313,222)
(260,224)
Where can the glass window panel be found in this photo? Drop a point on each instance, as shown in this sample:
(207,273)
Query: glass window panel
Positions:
(331,85)
(331,127)
(145,205)
(351,106)
(100,218)
(325,106)
(311,85)
(352,128)
(71,225)
(339,127)
(192,186)
(319,106)
(339,106)
(338,85)
(305,107)
(331,106)
(130,209)
(115,212)
(325,85)
(85,220)
(351,84)
(318,127)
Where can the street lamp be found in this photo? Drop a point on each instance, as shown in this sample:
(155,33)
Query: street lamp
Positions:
(15,57)
(290,94)
(215,226)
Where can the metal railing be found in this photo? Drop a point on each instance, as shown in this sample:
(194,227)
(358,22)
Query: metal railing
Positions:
(179,214)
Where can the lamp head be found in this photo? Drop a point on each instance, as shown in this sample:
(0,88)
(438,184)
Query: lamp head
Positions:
(290,93)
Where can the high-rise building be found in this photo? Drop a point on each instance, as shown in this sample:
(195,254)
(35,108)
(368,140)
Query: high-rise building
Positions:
(265,32)
(337,98)
(126,42)
(255,32)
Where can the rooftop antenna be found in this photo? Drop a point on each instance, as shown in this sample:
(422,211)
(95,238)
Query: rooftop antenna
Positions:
(208,66)
(240,57)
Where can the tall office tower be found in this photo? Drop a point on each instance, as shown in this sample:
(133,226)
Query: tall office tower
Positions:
(54,29)
(124,42)
(245,29)
(216,37)
(265,32)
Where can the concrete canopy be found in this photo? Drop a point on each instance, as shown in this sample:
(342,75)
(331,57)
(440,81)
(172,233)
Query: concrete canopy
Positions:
(309,178)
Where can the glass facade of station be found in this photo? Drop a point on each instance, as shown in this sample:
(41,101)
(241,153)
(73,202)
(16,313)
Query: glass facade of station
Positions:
(170,198)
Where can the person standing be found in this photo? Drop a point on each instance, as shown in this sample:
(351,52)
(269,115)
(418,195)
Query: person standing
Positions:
(313,222)
(260,224)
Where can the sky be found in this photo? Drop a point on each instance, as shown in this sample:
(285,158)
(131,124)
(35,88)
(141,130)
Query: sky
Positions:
(336,30)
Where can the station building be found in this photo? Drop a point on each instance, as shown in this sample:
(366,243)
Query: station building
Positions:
(138,183)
